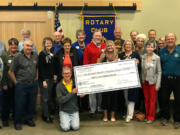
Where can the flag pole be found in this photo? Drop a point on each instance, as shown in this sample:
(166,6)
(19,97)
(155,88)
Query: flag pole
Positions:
(57,24)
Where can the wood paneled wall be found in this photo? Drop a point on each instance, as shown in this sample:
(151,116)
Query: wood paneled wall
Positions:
(40,23)
(73,2)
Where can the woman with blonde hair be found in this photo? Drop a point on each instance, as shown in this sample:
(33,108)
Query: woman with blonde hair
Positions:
(110,52)
(130,94)
(109,99)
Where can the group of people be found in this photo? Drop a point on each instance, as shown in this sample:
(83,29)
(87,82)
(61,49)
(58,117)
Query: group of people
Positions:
(22,70)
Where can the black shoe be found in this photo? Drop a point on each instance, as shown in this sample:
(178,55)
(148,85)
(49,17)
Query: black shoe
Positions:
(18,126)
(47,119)
(92,115)
(5,123)
(30,123)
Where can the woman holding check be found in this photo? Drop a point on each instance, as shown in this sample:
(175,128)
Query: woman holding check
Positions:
(109,99)
(130,94)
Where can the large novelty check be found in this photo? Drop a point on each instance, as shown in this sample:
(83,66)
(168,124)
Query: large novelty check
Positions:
(107,76)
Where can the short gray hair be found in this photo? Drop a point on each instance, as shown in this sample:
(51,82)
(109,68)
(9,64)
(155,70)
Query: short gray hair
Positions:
(143,36)
(28,39)
(25,31)
(80,31)
(66,68)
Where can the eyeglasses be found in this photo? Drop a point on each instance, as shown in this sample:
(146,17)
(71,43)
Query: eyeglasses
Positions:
(66,73)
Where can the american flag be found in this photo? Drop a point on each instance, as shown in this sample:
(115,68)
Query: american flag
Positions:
(57,24)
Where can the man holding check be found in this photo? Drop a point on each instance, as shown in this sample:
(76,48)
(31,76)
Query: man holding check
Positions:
(90,56)
(67,98)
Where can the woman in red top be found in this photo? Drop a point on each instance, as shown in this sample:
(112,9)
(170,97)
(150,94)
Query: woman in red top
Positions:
(66,56)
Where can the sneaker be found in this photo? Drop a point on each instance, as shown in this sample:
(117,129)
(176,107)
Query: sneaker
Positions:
(92,115)
(176,125)
(128,120)
(164,122)
(149,121)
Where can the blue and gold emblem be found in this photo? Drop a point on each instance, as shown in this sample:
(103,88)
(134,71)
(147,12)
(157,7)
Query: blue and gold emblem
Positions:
(106,23)
(176,55)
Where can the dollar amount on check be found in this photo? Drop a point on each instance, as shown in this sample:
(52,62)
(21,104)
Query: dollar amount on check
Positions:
(107,76)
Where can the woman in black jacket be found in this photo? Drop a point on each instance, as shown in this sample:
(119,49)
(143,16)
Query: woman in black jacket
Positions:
(46,78)
(66,56)
(109,99)
(130,94)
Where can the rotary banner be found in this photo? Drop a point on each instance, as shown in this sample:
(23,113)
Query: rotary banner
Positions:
(106,23)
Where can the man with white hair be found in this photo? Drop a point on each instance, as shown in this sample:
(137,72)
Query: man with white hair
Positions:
(25,35)
(57,42)
(90,56)
(140,40)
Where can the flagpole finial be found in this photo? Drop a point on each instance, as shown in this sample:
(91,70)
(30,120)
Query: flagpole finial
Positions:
(110,4)
(56,6)
(85,6)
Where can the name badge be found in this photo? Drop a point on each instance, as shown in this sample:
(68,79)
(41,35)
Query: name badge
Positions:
(176,55)
(9,61)
(51,54)
(34,62)
(151,65)
(77,47)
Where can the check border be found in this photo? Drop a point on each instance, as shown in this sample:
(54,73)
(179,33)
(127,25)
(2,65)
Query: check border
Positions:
(105,63)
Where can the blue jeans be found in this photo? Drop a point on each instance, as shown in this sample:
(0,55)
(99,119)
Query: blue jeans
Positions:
(25,101)
(69,121)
